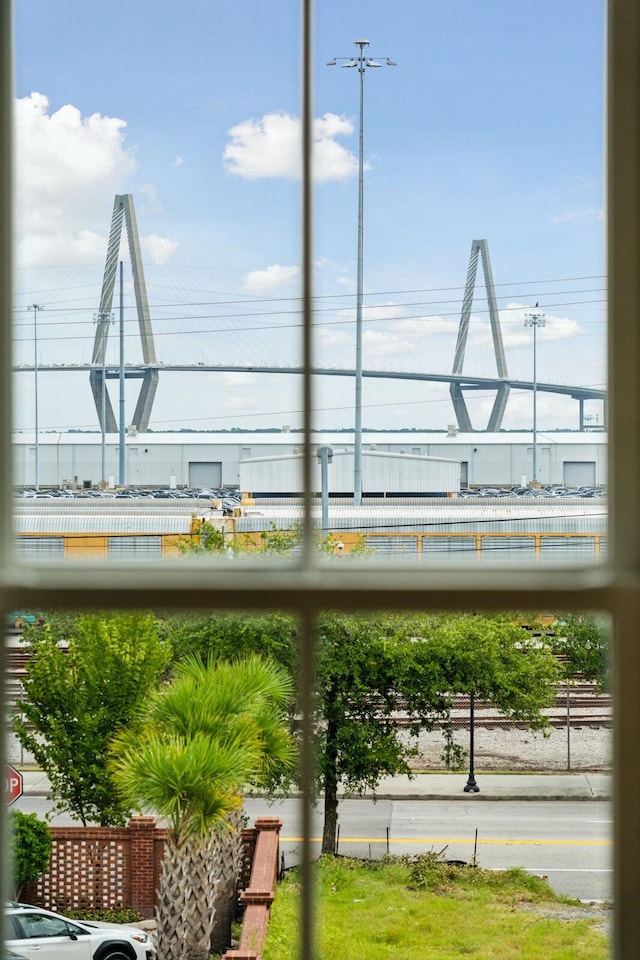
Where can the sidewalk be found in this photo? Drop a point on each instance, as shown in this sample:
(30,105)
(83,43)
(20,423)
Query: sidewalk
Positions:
(498,786)
(450,786)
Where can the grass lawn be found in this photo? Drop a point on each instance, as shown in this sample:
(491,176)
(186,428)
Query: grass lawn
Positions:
(427,910)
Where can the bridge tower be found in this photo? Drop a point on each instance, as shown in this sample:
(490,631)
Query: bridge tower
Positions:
(479,251)
(124,214)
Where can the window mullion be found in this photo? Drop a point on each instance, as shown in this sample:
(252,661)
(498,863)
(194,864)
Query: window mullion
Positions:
(307,274)
(623,210)
(6,279)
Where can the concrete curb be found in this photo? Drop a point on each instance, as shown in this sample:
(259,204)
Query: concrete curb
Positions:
(446,787)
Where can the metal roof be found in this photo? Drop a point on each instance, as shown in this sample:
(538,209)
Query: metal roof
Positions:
(100,524)
(291,438)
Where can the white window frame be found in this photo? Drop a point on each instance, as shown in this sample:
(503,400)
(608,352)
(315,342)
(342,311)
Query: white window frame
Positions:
(307,585)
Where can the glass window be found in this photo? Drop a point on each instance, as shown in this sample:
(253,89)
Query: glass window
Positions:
(310,582)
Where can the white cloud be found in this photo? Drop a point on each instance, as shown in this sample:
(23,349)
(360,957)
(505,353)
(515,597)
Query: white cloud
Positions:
(515,334)
(426,327)
(580,215)
(382,344)
(177,162)
(160,249)
(271,147)
(147,200)
(68,169)
(268,281)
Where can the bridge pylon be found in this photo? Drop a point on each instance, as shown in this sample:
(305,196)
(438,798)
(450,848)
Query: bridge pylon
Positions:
(479,251)
(124,214)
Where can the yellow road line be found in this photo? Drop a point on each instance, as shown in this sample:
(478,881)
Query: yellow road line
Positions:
(465,840)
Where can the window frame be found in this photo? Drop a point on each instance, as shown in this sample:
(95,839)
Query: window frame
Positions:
(308,585)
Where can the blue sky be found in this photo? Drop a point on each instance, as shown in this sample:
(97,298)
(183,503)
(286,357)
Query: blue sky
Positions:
(490,126)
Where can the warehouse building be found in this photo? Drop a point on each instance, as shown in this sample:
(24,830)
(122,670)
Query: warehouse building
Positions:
(214,459)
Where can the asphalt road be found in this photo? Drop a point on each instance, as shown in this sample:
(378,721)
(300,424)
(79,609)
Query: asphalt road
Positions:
(567,841)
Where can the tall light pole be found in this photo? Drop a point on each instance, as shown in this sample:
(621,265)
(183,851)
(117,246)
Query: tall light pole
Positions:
(535,318)
(103,320)
(361,62)
(35,307)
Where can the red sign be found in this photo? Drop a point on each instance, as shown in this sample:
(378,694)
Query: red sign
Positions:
(12,784)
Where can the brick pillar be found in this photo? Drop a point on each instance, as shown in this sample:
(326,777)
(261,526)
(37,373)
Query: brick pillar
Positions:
(142,868)
(258,897)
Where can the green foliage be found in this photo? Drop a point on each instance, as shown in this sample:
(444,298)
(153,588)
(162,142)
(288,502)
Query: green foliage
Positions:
(273,542)
(205,538)
(453,754)
(225,636)
(431,872)
(31,845)
(85,675)
(198,742)
(369,666)
(125,915)
(364,664)
(494,656)
(583,641)
(367,909)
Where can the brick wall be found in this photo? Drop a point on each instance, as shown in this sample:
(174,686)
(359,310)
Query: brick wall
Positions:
(119,867)
(101,867)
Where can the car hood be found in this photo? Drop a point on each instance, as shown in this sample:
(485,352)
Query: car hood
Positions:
(115,928)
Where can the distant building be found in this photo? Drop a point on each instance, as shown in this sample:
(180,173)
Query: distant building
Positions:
(215,459)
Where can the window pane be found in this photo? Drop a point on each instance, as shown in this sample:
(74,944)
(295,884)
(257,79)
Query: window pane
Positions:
(157,273)
(460,288)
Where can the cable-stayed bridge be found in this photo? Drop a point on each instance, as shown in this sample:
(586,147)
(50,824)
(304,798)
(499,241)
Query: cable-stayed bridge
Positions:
(149,368)
(138,371)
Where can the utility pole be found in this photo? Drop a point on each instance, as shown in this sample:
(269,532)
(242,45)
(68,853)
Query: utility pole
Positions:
(361,62)
(122,477)
(103,320)
(535,318)
(35,307)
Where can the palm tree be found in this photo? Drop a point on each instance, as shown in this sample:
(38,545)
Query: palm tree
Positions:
(197,744)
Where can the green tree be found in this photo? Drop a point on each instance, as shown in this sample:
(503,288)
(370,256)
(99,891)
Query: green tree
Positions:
(272,542)
(31,845)
(369,667)
(582,639)
(85,676)
(195,746)
(205,538)
(493,656)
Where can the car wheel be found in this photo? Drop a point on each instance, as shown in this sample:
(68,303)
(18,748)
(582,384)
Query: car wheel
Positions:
(116,954)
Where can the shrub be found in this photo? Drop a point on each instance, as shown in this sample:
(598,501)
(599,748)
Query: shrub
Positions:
(30,848)
(105,915)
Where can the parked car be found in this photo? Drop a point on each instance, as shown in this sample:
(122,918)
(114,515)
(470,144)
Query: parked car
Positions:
(33,932)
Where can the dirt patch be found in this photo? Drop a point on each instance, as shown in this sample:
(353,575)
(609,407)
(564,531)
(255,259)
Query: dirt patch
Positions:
(598,913)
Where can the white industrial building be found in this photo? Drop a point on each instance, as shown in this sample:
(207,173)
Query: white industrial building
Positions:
(382,473)
(216,459)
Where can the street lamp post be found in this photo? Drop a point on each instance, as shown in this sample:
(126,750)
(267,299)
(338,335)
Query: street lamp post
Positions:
(361,62)
(471,786)
(35,307)
(535,319)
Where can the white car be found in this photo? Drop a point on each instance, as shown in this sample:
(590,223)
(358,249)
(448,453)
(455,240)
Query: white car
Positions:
(31,932)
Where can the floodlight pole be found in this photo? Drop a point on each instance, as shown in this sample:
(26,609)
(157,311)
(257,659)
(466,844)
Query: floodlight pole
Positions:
(122,474)
(535,319)
(35,307)
(361,62)
(103,320)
